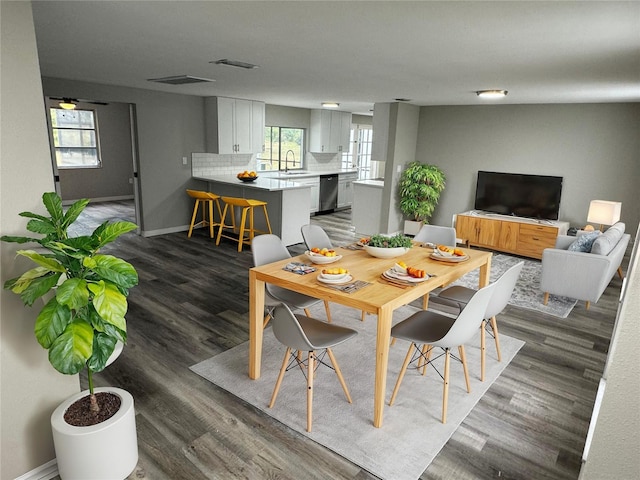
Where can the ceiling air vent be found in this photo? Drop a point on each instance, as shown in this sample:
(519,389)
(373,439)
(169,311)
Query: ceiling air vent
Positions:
(234,63)
(180,80)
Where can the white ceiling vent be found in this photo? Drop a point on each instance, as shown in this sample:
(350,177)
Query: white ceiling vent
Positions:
(234,63)
(180,80)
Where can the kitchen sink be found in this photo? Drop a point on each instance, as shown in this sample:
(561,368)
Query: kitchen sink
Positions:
(296,173)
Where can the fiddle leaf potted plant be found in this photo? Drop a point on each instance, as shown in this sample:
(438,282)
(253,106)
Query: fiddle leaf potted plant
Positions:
(81,325)
(420,187)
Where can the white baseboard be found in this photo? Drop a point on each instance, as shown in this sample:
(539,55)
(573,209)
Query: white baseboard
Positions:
(101,199)
(43,472)
(163,231)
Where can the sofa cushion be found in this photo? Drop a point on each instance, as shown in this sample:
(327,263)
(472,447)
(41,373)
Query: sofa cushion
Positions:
(608,240)
(584,242)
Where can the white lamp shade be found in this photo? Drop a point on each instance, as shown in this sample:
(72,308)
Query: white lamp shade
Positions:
(604,212)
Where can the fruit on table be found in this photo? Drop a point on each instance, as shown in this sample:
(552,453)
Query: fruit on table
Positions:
(457,252)
(334,271)
(323,251)
(364,241)
(247,174)
(416,272)
(402,264)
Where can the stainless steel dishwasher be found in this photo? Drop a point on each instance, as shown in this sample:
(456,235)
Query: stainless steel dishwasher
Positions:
(328,193)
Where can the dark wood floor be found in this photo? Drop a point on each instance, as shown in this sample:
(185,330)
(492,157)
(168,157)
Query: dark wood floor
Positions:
(192,303)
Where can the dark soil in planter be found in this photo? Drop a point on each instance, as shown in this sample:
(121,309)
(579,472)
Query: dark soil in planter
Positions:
(79,414)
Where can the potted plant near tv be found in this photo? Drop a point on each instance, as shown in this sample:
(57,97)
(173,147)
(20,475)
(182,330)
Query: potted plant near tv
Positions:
(82,325)
(420,187)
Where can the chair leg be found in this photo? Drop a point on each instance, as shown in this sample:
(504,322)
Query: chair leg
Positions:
(463,360)
(363,315)
(193,218)
(445,390)
(266,217)
(326,308)
(494,327)
(483,350)
(222,224)
(280,377)
(210,202)
(427,350)
(243,219)
(267,317)
(425,301)
(339,374)
(403,370)
(307,312)
(310,369)
(588,304)
(546,298)
(620,273)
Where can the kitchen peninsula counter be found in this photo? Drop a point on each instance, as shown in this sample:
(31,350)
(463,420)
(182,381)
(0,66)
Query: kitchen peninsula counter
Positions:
(288,202)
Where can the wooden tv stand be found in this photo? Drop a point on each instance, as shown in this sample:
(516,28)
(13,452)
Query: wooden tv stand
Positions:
(521,236)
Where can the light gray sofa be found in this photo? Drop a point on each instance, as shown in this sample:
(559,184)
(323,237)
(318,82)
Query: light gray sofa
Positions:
(583,275)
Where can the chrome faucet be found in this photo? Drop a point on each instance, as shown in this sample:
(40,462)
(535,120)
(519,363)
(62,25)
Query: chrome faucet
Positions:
(286,160)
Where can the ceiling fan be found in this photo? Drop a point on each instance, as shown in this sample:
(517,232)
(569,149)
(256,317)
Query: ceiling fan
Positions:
(68,103)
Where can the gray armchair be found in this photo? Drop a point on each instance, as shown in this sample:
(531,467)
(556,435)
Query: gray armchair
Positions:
(583,275)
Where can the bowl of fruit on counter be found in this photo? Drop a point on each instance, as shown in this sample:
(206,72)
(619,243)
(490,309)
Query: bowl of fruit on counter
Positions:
(322,256)
(247,176)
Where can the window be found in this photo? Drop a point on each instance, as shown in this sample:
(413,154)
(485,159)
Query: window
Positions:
(284,149)
(359,154)
(75,138)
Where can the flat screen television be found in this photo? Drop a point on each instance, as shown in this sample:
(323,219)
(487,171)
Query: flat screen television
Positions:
(522,195)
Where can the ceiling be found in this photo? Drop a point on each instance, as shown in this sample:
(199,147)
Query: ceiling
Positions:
(355,53)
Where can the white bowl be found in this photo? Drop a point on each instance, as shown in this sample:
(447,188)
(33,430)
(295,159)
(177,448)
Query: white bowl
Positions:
(334,276)
(381,252)
(321,259)
(442,253)
(398,269)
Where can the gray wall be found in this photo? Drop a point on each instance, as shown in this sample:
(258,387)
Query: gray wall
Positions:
(31,388)
(595,147)
(111,180)
(169,127)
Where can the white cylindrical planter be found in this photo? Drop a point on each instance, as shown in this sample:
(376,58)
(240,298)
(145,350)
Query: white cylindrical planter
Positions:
(106,451)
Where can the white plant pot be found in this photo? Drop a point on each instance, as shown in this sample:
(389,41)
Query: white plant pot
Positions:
(106,451)
(412,227)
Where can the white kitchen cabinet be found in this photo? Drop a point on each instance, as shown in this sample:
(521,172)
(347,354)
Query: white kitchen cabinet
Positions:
(314,184)
(232,125)
(329,131)
(345,189)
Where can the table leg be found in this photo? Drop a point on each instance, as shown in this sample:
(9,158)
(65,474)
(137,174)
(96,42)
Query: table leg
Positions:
(385,316)
(256,313)
(485,273)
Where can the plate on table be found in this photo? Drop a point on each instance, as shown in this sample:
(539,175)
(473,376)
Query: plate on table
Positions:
(321,259)
(451,258)
(393,275)
(346,279)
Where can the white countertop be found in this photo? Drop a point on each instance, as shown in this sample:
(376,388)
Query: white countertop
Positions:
(370,183)
(303,174)
(261,183)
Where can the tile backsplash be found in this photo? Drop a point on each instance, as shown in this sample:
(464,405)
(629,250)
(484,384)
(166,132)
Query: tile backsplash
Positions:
(207,164)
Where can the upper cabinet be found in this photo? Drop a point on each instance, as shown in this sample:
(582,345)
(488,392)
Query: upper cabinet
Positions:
(234,125)
(330,131)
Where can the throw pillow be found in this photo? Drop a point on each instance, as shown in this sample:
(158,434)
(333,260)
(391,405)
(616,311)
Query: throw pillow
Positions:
(584,242)
(610,238)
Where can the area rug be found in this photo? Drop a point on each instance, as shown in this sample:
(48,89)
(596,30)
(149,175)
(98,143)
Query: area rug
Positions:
(527,293)
(411,435)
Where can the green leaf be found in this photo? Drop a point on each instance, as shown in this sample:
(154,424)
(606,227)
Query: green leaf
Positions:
(108,232)
(73,212)
(33,215)
(51,322)
(71,350)
(7,238)
(53,204)
(103,346)
(73,293)
(39,287)
(113,269)
(41,226)
(19,284)
(46,262)
(110,304)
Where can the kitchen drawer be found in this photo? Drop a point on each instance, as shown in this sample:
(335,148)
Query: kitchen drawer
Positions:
(533,239)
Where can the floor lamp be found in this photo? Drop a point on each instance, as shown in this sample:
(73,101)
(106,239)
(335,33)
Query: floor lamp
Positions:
(604,212)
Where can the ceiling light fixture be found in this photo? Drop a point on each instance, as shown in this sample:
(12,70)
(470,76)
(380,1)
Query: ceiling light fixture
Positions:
(67,104)
(492,93)
(180,80)
(235,63)
(330,105)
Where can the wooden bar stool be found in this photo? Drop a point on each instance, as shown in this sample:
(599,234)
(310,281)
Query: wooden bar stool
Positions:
(245,235)
(207,199)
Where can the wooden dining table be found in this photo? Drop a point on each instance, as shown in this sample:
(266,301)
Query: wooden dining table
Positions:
(380,297)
